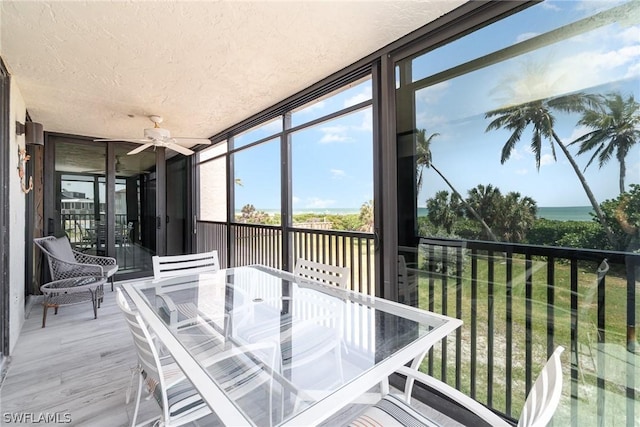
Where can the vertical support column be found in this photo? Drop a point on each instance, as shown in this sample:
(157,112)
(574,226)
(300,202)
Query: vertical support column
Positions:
(161,200)
(387,265)
(110,202)
(285,193)
(231,205)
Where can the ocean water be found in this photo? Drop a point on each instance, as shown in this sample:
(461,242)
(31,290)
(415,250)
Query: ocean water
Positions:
(558,213)
(318,211)
(563,213)
(568,213)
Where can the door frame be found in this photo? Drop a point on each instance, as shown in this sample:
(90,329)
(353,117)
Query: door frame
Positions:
(5,146)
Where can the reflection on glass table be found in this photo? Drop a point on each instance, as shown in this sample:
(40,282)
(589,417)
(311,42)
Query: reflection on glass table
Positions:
(322,346)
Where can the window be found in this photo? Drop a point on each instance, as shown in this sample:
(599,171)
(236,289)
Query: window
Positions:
(351,94)
(256,177)
(258,133)
(332,173)
(526,132)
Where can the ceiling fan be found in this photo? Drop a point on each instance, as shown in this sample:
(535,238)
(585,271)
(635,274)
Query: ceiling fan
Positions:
(160,137)
(120,168)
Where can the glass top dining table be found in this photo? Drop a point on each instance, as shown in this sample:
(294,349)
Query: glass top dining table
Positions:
(264,347)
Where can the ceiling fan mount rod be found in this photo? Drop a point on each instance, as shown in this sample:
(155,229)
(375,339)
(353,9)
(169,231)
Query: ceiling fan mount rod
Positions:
(156,120)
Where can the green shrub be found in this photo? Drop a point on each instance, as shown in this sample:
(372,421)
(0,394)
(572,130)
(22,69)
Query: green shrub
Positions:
(573,234)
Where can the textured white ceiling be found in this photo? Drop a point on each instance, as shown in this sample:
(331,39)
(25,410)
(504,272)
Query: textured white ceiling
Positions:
(84,67)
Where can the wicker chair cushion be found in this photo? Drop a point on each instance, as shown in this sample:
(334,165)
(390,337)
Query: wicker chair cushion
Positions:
(109,270)
(60,248)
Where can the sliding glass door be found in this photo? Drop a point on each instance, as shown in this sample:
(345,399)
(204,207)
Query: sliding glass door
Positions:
(105,201)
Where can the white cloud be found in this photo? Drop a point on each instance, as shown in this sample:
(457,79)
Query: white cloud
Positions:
(432,94)
(334,134)
(630,35)
(274,126)
(365,95)
(549,5)
(367,122)
(316,106)
(426,120)
(337,173)
(592,68)
(525,36)
(318,203)
(295,200)
(633,71)
(578,131)
(594,6)
(522,171)
(516,155)
(546,159)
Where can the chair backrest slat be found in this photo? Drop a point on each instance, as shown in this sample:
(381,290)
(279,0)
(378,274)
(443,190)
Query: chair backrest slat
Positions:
(179,265)
(323,273)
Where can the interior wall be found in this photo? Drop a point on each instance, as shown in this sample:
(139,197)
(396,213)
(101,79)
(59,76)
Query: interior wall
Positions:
(16,224)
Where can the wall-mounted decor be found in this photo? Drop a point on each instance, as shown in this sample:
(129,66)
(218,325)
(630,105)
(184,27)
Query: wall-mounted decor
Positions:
(23,158)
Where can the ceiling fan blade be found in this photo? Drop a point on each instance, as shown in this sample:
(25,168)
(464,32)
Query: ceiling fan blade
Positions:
(200,141)
(136,140)
(179,148)
(141,148)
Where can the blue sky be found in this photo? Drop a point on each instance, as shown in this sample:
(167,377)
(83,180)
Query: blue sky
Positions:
(604,60)
(332,162)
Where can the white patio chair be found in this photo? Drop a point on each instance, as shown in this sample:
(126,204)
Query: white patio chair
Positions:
(235,370)
(180,265)
(179,402)
(407,282)
(542,401)
(64,262)
(323,273)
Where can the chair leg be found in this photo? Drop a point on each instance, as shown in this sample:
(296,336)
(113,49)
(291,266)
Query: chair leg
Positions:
(45,307)
(112,283)
(94,301)
(138,397)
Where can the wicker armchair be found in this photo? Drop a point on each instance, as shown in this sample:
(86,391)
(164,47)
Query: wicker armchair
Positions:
(64,262)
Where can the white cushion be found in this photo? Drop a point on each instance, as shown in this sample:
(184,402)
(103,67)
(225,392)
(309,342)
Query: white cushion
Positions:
(391,411)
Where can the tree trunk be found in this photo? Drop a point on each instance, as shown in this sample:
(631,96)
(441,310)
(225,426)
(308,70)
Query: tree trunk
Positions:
(594,203)
(467,205)
(623,172)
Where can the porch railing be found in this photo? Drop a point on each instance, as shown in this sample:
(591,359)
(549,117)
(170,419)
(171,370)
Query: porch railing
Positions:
(518,302)
(262,244)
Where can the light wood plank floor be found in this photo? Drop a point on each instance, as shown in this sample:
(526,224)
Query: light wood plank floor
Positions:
(80,369)
(77,367)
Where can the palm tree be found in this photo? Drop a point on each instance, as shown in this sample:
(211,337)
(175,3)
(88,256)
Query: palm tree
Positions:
(423,154)
(424,160)
(486,201)
(616,128)
(518,214)
(539,115)
(443,210)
